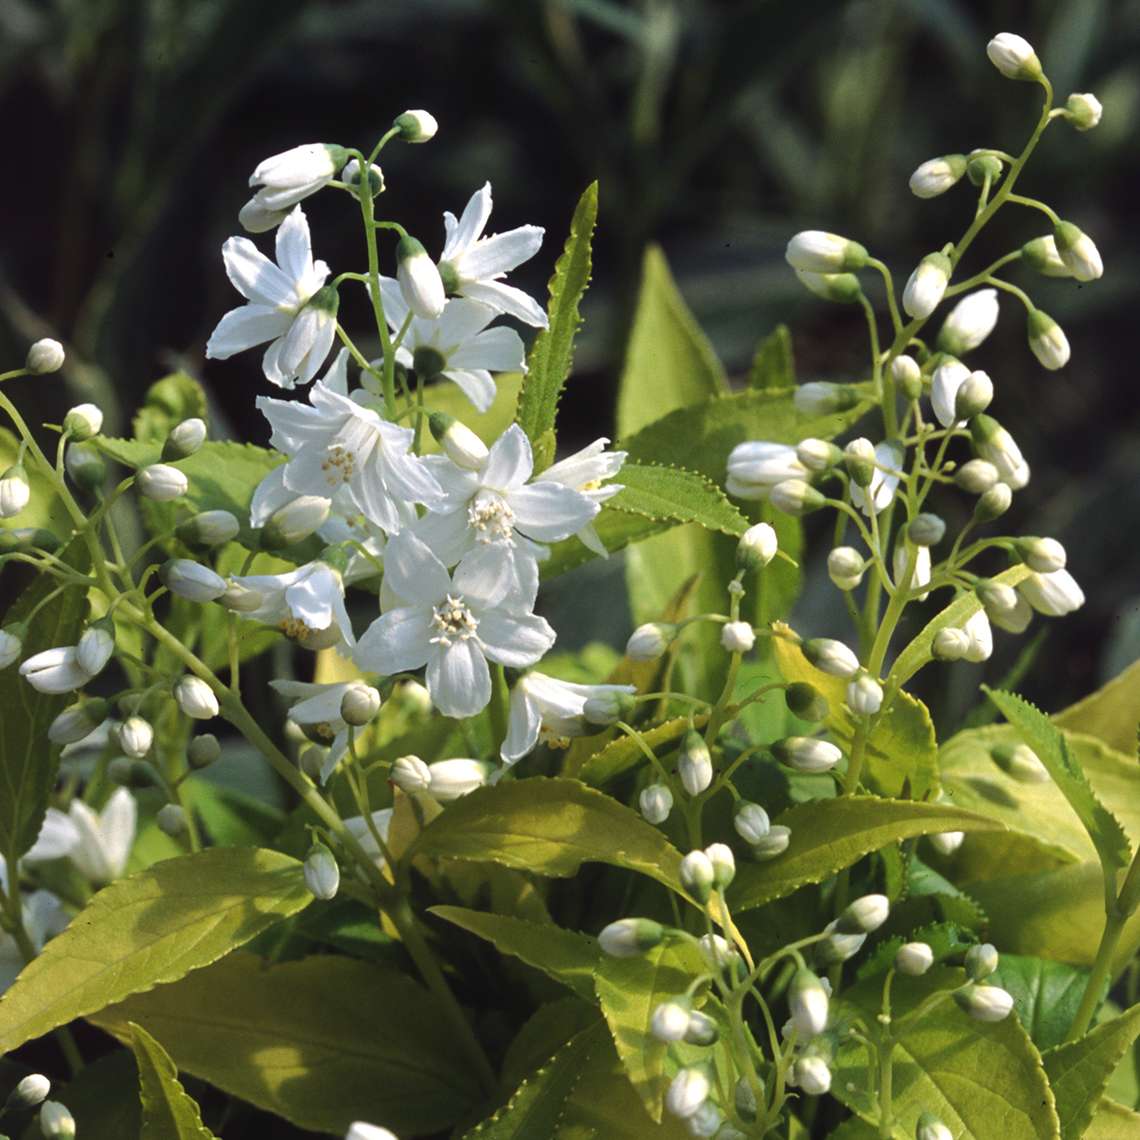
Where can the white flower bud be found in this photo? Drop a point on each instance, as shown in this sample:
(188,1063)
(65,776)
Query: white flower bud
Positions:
(926,529)
(670,1022)
(808,1003)
(54,671)
(806,753)
(977,629)
(413,697)
(95,648)
(161,482)
(359,704)
(976,476)
(1014,57)
(295,521)
(29,1093)
(907,376)
(812,1075)
(420,282)
(970,321)
(56,1122)
(717,952)
(1041,254)
(284,179)
(702,1030)
(821,398)
(85,466)
(937,175)
(350,176)
(135,737)
(859,459)
(864,915)
(203,750)
(1041,554)
(694,764)
(1014,620)
(451,779)
(697,875)
(796,497)
(630,937)
(77,722)
(460,444)
(688,1090)
(832,657)
(15,493)
(842,288)
(845,567)
(322,875)
(1084,111)
(1047,341)
(817,455)
(994,444)
(410,774)
(737,637)
(171,820)
(706,1121)
(648,642)
(944,384)
(974,395)
(241,599)
(83,421)
(209,528)
(929,1127)
(362,1131)
(950,644)
(192,580)
(864,695)
(981,961)
(925,287)
(993,504)
(947,842)
(11,645)
(751,822)
(984,1003)
(416,126)
(755,467)
(184,439)
(45,356)
(655,802)
(723,864)
(1053,595)
(195,698)
(817,251)
(1078,251)
(773,844)
(914,959)
(757,547)
(997,598)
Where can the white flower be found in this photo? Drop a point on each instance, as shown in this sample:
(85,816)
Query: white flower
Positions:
(474,266)
(926,285)
(948,378)
(995,445)
(457,345)
(453,624)
(969,322)
(284,307)
(545,708)
(337,442)
(585,471)
(1013,56)
(55,671)
(937,175)
(105,839)
(884,481)
(306,604)
(755,467)
(283,180)
(316,707)
(1053,595)
(496,505)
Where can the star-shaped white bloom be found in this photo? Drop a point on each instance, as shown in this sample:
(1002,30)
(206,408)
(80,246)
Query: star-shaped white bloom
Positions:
(288,305)
(306,604)
(497,505)
(105,839)
(317,707)
(337,441)
(473,265)
(456,345)
(544,708)
(585,471)
(453,624)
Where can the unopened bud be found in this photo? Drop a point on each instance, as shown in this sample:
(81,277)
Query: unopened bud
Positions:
(864,915)
(648,642)
(322,875)
(795,497)
(845,567)
(655,802)
(359,704)
(452,779)
(926,529)
(737,637)
(77,722)
(203,750)
(630,937)
(15,492)
(29,1093)
(807,753)
(1014,57)
(195,698)
(1041,254)
(842,288)
(193,581)
(947,842)
(907,376)
(816,251)
(864,695)
(929,1127)
(56,1122)
(694,763)
(976,476)
(161,482)
(687,1092)
(419,279)
(83,421)
(811,1075)
(171,820)
(209,528)
(806,701)
(95,647)
(460,444)
(822,397)
(914,959)
(982,167)
(1020,763)
(1047,340)
(808,1003)
(1078,251)
(974,396)
(701,1030)
(981,961)
(12,643)
(45,356)
(1084,111)
(723,864)
(295,521)
(751,822)
(838,947)
(950,644)
(608,705)
(416,126)
(85,466)
(135,737)
(937,175)
(859,459)
(184,439)
(1041,554)
(410,774)
(757,547)
(134,774)
(831,656)
(697,875)
(993,504)
(773,844)
(241,599)
(984,1003)
(670,1021)
(969,323)
(926,286)
(350,176)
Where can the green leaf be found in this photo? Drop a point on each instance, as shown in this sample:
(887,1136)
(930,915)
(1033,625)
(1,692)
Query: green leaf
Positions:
(104,1098)
(918,653)
(1113,1122)
(568,957)
(28,762)
(45,508)
(1111,713)
(774,365)
(168,402)
(322,1041)
(551,356)
(624,752)
(946,939)
(551,827)
(616,529)
(1079,1071)
(901,752)
(154,927)
(669,362)
(981,1080)
(1036,730)
(669,494)
(168,1112)
(1046,995)
(828,835)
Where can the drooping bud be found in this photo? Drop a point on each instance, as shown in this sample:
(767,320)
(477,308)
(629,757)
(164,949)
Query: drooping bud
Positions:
(757,547)
(203,750)
(1041,254)
(1053,595)
(907,376)
(161,482)
(981,961)
(842,288)
(655,802)
(806,753)
(195,698)
(83,421)
(193,581)
(993,504)
(95,647)
(184,439)
(694,764)
(451,779)
(171,820)
(723,864)
(811,1075)
(1047,340)
(832,657)
(630,937)
(460,444)
(948,377)
(1084,111)
(806,701)
(15,492)
(296,521)
(926,285)
(1041,554)
(845,567)
(822,397)
(737,637)
(1014,57)
(977,628)
(994,444)
(982,167)
(12,644)
(1015,619)
(864,915)
(322,875)
(648,642)
(56,1121)
(926,529)
(45,356)
(416,126)
(914,959)
(1078,251)
(420,282)
(970,321)
(864,695)
(859,459)
(77,722)
(808,1003)
(670,1021)
(816,251)
(937,175)
(950,644)
(359,704)
(688,1090)
(697,875)
(751,822)
(796,497)
(135,737)
(410,774)
(974,396)
(209,528)
(773,844)
(984,1003)
(976,476)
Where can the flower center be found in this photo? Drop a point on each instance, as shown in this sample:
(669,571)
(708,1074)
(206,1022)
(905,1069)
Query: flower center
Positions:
(339,465)
(553,739)
(452,621)
(491,517)
(295,629)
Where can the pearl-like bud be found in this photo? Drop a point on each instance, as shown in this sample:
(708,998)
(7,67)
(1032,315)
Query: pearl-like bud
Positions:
(416,126)
(864,695)
(1078,251)
(950,644)
(993,443)
(322,875)
(29,1093)
(195,698)
(796,497)
(842,288)
(773,844)
(203,750)
(914,959)
(993,504)
(688,1090)
(816,251)
(984,1003)
(806,753)
(926,529)
(56,1121)
(410,774)
(452,779)
(1041,554)
(648,642)
(1084,111)
(808,1003)
(135,737)
(929,1127)
(184,439)
(1014,57)
(970,321)
(822,397)
(907,376)
(976,476)
(670,1022)
(193,581)
(697,875)
(845,567)
(757,547)
(630,937)
(655,802)
(45,356)
(694,763)
(209,528)
(926,286)
(359,704)
(937,175)
(295,521)
(751,822)
(1047,340)
(171,820)
(15,492)
(981,961)
(812,1075)
(723,864)
(1041,254)
(161,482)
(831,656)
(737,637)
(83,421)
(419,279)
(864,915)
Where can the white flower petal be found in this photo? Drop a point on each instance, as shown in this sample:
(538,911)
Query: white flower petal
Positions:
(396,642)
(523,725)
(498,350)
(255,277)
(413,572)
(500,253)
(58,835)
(295,250)
(486,577)
(548,512)
(245,327)
(475,384)
(517,640)
(508,300)
(458,679)
(470,227)
(117,823)
(447,534)
(510,462)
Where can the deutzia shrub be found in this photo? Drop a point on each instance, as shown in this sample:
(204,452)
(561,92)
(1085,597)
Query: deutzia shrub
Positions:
(727,883)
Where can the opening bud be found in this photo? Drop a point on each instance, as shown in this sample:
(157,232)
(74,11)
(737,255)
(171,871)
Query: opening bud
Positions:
(322,875)
(937,175)
(1078,251)
(1041,554)
(806,753)
(410,774)
(822,397)
(1053,595)
(648,642)
(1041,254)
(451,779)
(184,439)
(864,915)
(808,1003)
(694,763)
(460,444)
(806,701)
(1084,111)
(842,288)
(45,356)
(420,282)
(161,482)
(976,476)
(1020,763)
(950,644)
(981,961)
(193,581)
(993,443)
(984,1003)
(31,1091)
(83,421)
(925,287)
(816,251)
(1047,340)
(773,844)
(907,376)
(914,959)
(655,802)
(795,497)
(832,657)
(1014,57)
(195,698)
(737,637)
(295,521)
(359,704)
(171,820)
(416,126)
(974,396)
(56,1122)
(757,547)
(864,695)
(630,937)
(15,493)
(203,750)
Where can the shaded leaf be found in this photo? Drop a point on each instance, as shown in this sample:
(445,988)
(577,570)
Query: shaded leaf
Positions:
(168,1113)
(1046,995)
(168,402)
(774,365)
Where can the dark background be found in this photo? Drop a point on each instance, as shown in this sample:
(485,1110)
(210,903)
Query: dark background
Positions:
(716,129)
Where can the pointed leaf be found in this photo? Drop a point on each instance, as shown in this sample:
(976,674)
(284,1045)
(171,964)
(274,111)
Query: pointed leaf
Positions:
(674,495)
(168,1113)
(774,365)
(624,752)
(1046,995)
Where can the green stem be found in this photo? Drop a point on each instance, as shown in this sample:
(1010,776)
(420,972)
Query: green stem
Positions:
(1101,971)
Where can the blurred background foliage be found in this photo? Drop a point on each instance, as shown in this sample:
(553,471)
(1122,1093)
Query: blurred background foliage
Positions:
(716,128)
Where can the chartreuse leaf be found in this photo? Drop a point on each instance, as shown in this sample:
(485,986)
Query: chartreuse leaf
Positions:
(550,827)
(1046,995)
(981,1080)
(1079,1071)
(1111,713)
(168,1112)
(616,529)
(168,402)
(946,939)
(28,762)
(773,366)
(1113,1122)
(669,362)
(45,508)
(901,752)
(551,356)
(565,955)
(668,494)
(828,835)
(322,1041)
(154,927)
(1037,731)
(624,752)
(917,653)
